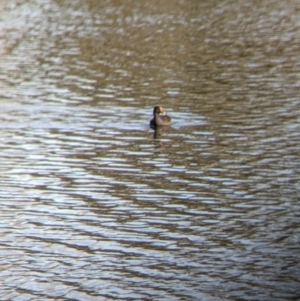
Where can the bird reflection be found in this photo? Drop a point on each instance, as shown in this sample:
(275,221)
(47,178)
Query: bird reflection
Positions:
(158,132)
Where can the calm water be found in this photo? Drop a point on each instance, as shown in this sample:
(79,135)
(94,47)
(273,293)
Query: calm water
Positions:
(97,206)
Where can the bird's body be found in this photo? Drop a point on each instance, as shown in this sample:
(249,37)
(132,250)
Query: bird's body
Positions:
(159,117)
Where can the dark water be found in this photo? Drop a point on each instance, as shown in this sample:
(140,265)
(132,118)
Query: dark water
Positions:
(95,205)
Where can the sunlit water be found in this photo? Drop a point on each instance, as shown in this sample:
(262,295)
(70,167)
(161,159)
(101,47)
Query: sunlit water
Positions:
(97,206)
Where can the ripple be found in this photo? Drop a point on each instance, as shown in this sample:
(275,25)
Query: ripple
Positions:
(205,209)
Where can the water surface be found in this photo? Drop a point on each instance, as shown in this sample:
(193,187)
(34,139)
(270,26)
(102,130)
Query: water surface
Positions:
(97,206)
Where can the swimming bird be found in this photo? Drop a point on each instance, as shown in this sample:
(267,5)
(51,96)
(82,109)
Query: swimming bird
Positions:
(159,117)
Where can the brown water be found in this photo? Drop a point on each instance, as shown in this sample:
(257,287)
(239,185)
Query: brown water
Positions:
(95,205)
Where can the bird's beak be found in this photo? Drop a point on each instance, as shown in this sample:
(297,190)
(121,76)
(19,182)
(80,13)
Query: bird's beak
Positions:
(162,111)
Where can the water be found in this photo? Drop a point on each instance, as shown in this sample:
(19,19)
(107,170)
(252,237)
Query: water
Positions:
(97,206)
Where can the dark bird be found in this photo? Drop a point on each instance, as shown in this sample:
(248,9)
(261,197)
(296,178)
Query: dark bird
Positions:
(159,117)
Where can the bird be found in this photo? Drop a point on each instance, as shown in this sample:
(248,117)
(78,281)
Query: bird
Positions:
(159,119)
